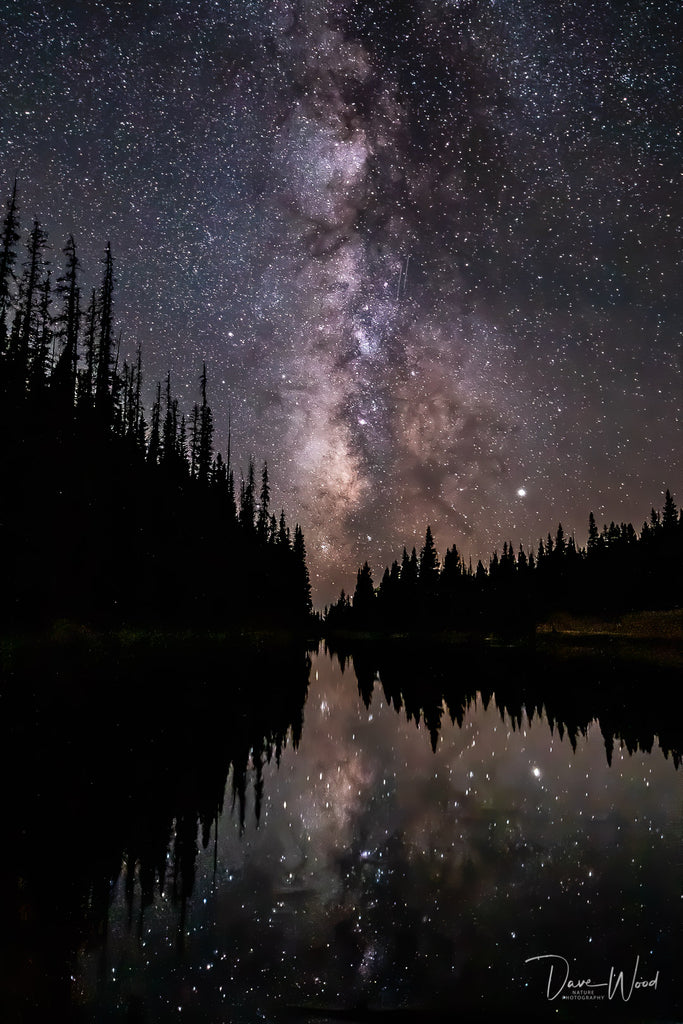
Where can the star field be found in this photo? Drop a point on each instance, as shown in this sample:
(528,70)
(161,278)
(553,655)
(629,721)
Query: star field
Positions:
(429,251)
(385,873)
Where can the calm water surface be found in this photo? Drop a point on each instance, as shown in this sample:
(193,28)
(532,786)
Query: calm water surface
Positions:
(385,876)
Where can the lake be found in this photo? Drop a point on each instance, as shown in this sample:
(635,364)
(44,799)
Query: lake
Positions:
(424,849)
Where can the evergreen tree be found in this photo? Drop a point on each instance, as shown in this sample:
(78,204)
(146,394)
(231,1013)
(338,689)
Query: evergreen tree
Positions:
(68,321)
(87,381)
(669,513)
(302,578)
(364,596)
(283,537)
(28,315)
(264,507)
(205,448)
(429,565)
(169,438)
(8,256)
(40,356)
(194,447)
(138,413)
(181,448)
(105,351)
(154,446)
(247,499)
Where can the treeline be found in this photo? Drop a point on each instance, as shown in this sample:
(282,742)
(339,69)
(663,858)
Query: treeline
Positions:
(618,570)
(426,683)
(107,514)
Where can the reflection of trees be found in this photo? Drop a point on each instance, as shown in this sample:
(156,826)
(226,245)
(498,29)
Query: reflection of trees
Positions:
(629,700)
(123,768)
(425,909)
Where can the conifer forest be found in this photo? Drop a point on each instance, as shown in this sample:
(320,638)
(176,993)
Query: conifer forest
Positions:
(109,512)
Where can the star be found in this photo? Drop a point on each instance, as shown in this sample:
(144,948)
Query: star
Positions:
(445,246)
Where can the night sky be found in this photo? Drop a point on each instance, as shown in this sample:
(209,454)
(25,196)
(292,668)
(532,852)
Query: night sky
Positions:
(429,250)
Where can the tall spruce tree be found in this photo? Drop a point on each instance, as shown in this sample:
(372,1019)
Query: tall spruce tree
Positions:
(262,526)
(87,376)
(364,596)
(105,351)
(205,446)
(302,578)
(28,315)
(68,323)
(429,564)
(248,500)
(8,257)
(42,343)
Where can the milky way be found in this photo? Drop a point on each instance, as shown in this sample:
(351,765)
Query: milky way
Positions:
(430,251)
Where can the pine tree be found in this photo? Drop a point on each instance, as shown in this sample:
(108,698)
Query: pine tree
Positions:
(669,513)
(87,379)
(105,357)
(154,446)
(264,507)
(181,447)
(38,372)
(429,564)
(28,314)
(283,537)
(232,500)
(8,256)
(138,414)
(169,429)
(194,446)
(64,376)
(302,579)
(364,596)
(205,447)
(247,500)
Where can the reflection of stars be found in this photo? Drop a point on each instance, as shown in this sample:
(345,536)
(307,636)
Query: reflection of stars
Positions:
(331,902)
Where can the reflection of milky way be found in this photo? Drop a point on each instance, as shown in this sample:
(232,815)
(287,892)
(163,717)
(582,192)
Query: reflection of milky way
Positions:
(384,873)
(428,250)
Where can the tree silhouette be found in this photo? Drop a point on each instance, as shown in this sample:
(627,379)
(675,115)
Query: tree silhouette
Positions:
(105,357)
(617,571)
(8,256)
(116,493)
(364,597)
(263,521)
(68,323)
